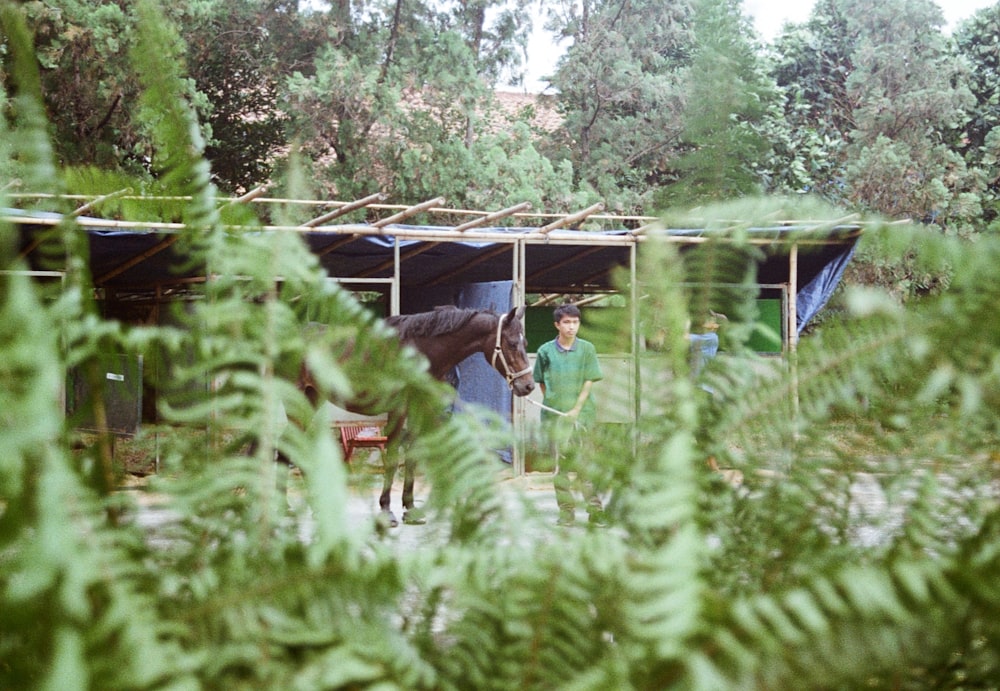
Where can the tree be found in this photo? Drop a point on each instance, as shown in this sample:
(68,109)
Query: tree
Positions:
(911,94)
(975,42)
(236,63)
(394,100)
(810,64)
(878,96)
(88,89)
(621,92)
(730,100)
(494,45)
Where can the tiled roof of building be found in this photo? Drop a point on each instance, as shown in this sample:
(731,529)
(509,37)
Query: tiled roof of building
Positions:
(545,117)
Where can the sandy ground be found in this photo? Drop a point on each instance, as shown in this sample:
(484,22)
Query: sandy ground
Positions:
(529,499)
(531,493)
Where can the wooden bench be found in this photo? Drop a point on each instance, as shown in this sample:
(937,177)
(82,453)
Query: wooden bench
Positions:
(361,437)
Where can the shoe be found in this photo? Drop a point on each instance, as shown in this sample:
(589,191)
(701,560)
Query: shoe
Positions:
(566,518)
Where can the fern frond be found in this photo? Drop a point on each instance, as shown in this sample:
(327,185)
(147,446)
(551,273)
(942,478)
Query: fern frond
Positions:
(66,582)
(31,147)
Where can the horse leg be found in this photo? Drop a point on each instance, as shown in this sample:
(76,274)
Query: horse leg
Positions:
(407,485)
(411,515)
(281,466)
(389,463)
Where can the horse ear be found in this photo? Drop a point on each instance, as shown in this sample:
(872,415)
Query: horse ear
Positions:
(516,313)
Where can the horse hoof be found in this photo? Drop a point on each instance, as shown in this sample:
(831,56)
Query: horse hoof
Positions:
(387,519)
(414,517)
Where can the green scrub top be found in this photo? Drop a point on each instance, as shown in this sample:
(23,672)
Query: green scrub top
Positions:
(564,372)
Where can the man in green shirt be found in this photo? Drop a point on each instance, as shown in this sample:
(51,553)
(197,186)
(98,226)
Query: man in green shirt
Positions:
(565,369)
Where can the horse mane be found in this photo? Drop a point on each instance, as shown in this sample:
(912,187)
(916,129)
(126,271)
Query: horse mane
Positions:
(442,320)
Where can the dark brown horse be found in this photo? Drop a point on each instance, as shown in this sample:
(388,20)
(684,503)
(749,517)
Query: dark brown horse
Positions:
(445,336)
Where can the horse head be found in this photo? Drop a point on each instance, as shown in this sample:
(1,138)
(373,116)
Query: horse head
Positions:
(510,356)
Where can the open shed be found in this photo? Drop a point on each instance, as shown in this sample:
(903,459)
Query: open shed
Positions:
(495,260)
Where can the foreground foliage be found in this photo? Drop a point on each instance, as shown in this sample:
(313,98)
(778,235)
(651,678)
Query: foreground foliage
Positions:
(789,581)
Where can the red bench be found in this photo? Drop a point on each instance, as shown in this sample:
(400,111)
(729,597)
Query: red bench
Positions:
(361,437)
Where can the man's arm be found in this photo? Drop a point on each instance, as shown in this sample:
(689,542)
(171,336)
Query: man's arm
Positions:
(581,399)
(538,371)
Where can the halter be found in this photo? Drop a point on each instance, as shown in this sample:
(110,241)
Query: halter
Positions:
(498,351)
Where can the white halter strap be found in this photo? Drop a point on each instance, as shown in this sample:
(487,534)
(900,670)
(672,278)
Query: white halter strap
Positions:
(498,352)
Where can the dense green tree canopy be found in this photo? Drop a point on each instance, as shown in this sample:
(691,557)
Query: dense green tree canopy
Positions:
(977,44)
(730,99)
(82,51)
(236,63)
(877,97)
(910,94)
(621,91)
(874,109)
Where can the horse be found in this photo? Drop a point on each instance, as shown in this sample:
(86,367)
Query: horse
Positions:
(445,336)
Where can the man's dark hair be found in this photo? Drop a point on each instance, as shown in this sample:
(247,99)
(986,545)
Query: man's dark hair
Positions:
(565,311)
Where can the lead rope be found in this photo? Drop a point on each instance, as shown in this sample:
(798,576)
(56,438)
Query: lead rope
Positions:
(545,407)
(510,381)
(576,423)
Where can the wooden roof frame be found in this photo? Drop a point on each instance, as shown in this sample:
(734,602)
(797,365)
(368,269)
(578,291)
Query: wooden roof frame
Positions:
(546,230)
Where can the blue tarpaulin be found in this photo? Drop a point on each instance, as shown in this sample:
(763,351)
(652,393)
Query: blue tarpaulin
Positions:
(136,260)
(814,294)
(457,270)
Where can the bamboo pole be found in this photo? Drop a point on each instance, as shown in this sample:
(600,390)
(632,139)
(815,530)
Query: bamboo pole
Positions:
(403,256)
(164,244)
(250,196)
(478,260)
(410,211)
(33,245)
(313,202)
(345,209)
(431,245)
(591,299)
(650,222)
(793,293)
(597,274)
(424,234)
(495,216)
(517,402)
(572,218)
(80,210)
(634,343)
(545,299)
(336,245)
(655,225)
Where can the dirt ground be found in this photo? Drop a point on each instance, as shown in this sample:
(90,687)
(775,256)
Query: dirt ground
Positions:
(136,464)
